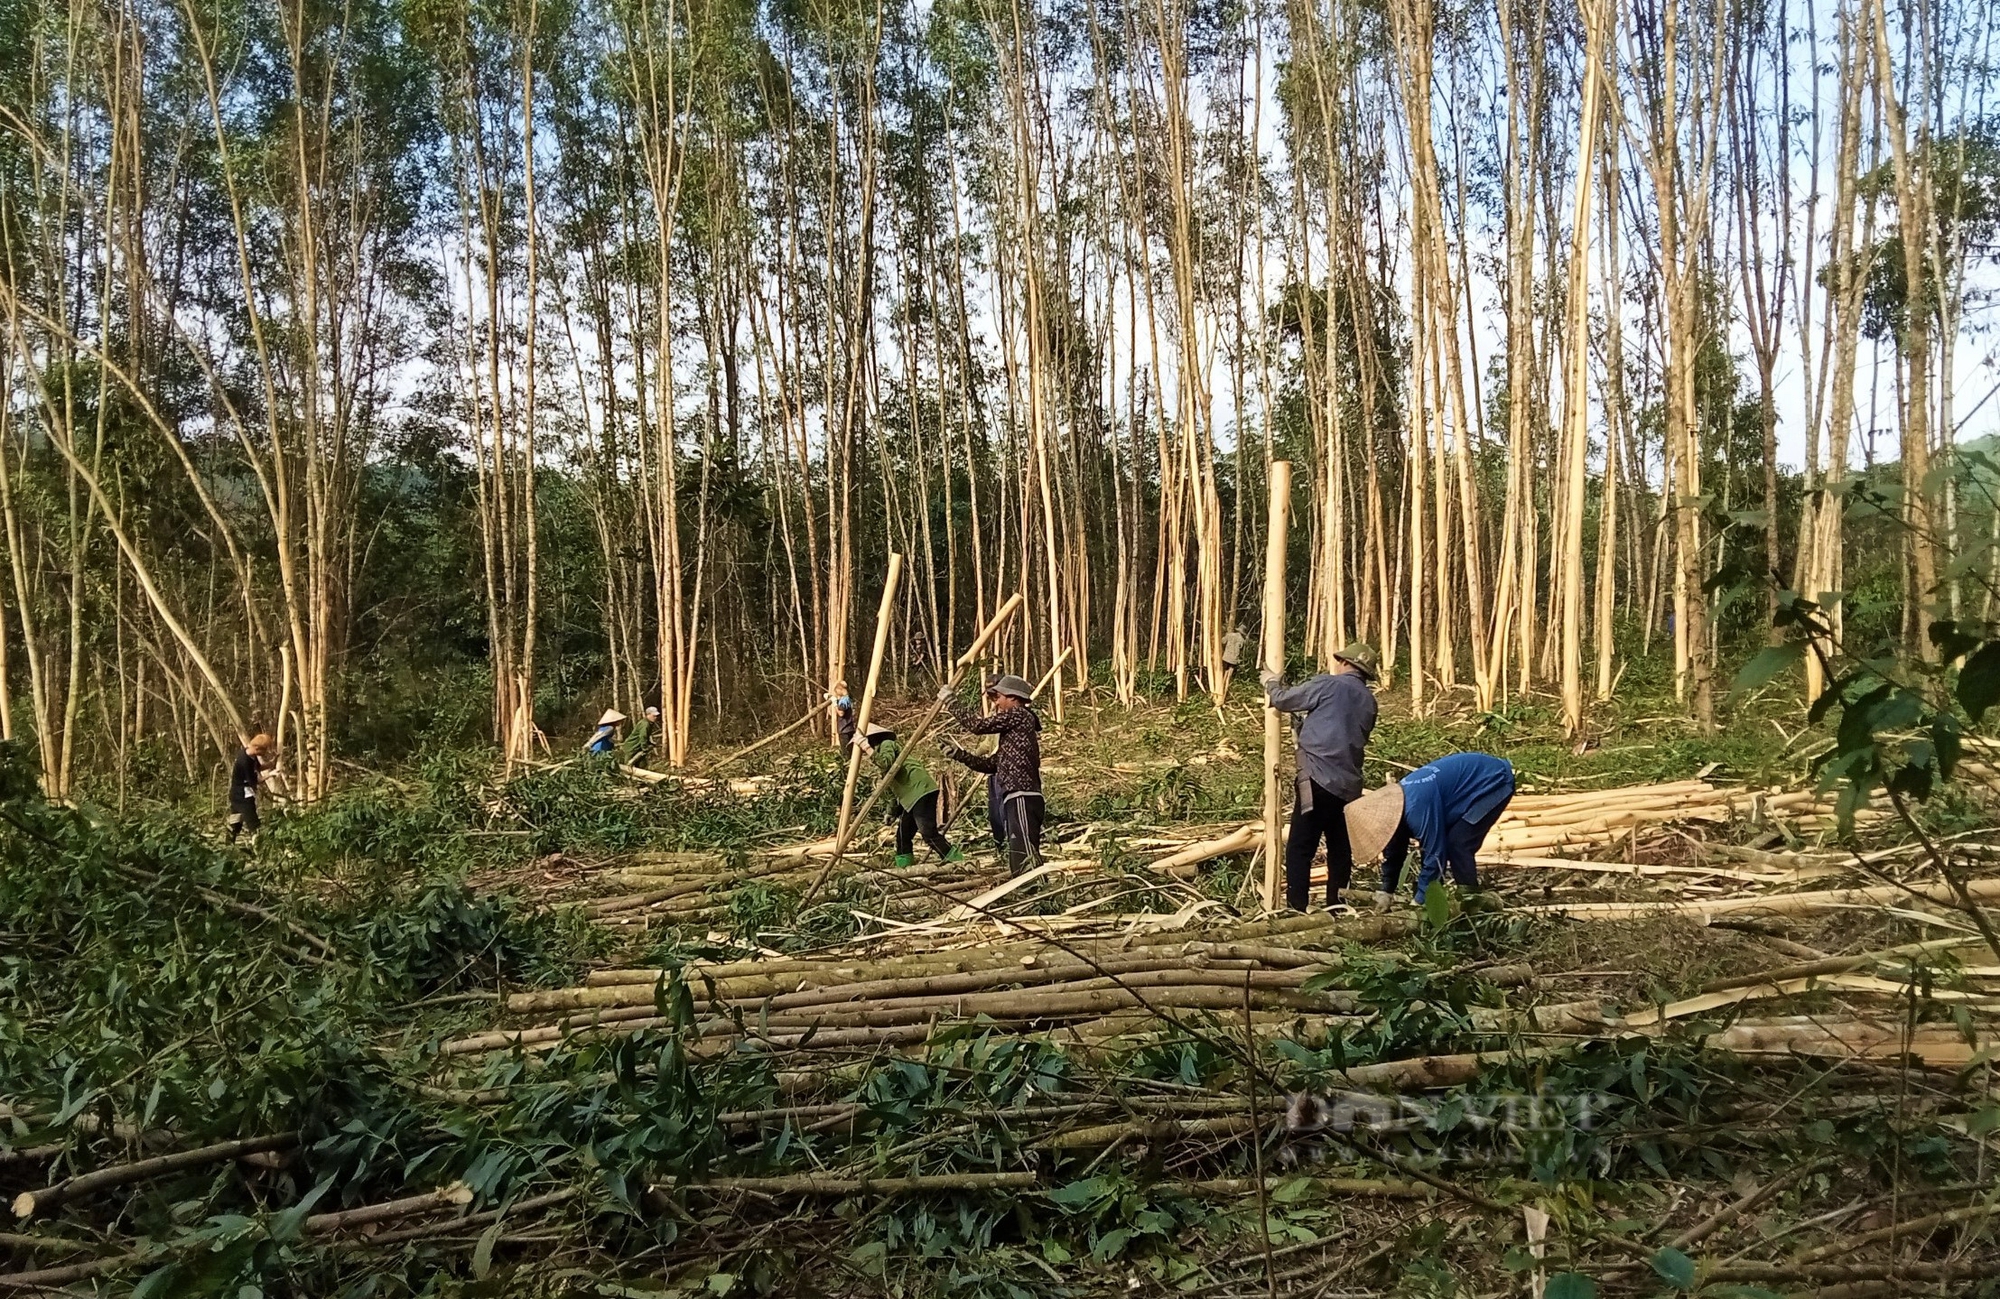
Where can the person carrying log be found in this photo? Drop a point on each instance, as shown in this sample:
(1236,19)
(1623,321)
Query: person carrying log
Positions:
(1447,806)
(912,786)
(245,775)
(1339,714)
(1016,766)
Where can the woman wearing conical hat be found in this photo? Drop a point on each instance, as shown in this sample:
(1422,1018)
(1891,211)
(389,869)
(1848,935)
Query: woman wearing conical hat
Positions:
(604,740)
(1447,806)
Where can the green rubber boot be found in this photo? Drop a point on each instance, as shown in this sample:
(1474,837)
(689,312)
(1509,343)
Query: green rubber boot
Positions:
(955,855)
(904,860)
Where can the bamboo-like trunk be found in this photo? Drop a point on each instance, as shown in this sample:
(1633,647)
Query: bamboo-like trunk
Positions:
(1576,441)
(1278,525)
(884,619)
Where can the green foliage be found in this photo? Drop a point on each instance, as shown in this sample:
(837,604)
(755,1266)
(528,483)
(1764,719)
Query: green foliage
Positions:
(1413,1007)
(147,979)
(1675,1268)
(1119,1218)
(442,937)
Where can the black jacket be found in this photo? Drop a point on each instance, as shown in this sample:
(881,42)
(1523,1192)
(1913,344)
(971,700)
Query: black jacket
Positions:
(243,778)
(1017,763)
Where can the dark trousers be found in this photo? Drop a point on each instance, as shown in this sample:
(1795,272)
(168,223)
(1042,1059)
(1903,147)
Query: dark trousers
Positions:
(242,816)
(1461,850)
(993,809)
(1327,818)
(1021,817)
(921,820)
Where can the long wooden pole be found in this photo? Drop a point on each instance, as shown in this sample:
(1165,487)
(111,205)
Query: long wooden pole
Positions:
(1274,661)
(1068,650)
(885,615)
(909,743)
(812,714)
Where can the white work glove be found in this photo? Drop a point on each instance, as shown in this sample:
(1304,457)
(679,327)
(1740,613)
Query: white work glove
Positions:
(1270,678)
(946,694)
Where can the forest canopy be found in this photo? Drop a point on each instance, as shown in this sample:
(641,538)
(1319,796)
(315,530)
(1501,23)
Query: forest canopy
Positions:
(399,373)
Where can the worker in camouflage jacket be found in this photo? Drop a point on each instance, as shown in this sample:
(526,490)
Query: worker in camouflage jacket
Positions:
(1016,766)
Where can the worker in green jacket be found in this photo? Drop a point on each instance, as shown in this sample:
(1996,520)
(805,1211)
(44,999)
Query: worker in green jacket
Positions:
(916,794)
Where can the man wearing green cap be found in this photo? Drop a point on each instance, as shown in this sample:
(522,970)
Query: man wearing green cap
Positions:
(1337,714)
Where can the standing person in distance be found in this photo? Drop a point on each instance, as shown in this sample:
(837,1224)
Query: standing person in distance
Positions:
(1016,766)
(1339,714)
(1447,806)
(1232,656)
(913,788)
(245,775)
(639,745)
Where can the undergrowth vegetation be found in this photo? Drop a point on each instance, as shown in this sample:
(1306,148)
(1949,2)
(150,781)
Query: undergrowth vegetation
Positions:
(160,991)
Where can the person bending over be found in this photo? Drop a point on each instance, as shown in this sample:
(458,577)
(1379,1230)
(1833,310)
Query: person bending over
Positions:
(1447,806)
(915,792)
(1016,766)
(603,742)
(1339,713)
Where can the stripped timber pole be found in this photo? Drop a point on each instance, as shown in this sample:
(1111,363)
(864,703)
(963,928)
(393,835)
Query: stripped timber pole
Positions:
(812,714)
(885,615)
(909,742)
(1068,650)
(1274,661)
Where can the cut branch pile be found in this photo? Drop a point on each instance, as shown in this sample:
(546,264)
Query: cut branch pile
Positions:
(1165,1039)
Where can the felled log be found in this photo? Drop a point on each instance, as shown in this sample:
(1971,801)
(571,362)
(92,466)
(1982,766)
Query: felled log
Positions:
(1936,1046)
(1182,864)
(533,1204)
(1778,904)
(29,1203)
(1025,954)
(1895,1231)
(815,712)
(825,1184)
(445,1197)
(1840,964)
(1562,1017)
(1371,1187)
(49,1278)
(684,886)
(1218,990)
(1154,1131)
(28,1244)
(457,1194)
(1850,983)
(1892,1270)
(1110,1037)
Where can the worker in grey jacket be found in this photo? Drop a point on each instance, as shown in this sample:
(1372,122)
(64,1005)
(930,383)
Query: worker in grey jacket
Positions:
(1338,712)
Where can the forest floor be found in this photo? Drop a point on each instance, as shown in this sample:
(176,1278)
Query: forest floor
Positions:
(582,1032)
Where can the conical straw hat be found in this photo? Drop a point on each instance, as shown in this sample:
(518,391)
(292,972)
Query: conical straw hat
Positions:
(611,717)
(1371,819)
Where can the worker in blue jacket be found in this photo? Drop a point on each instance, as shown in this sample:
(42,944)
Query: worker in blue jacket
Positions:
(1447,807)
